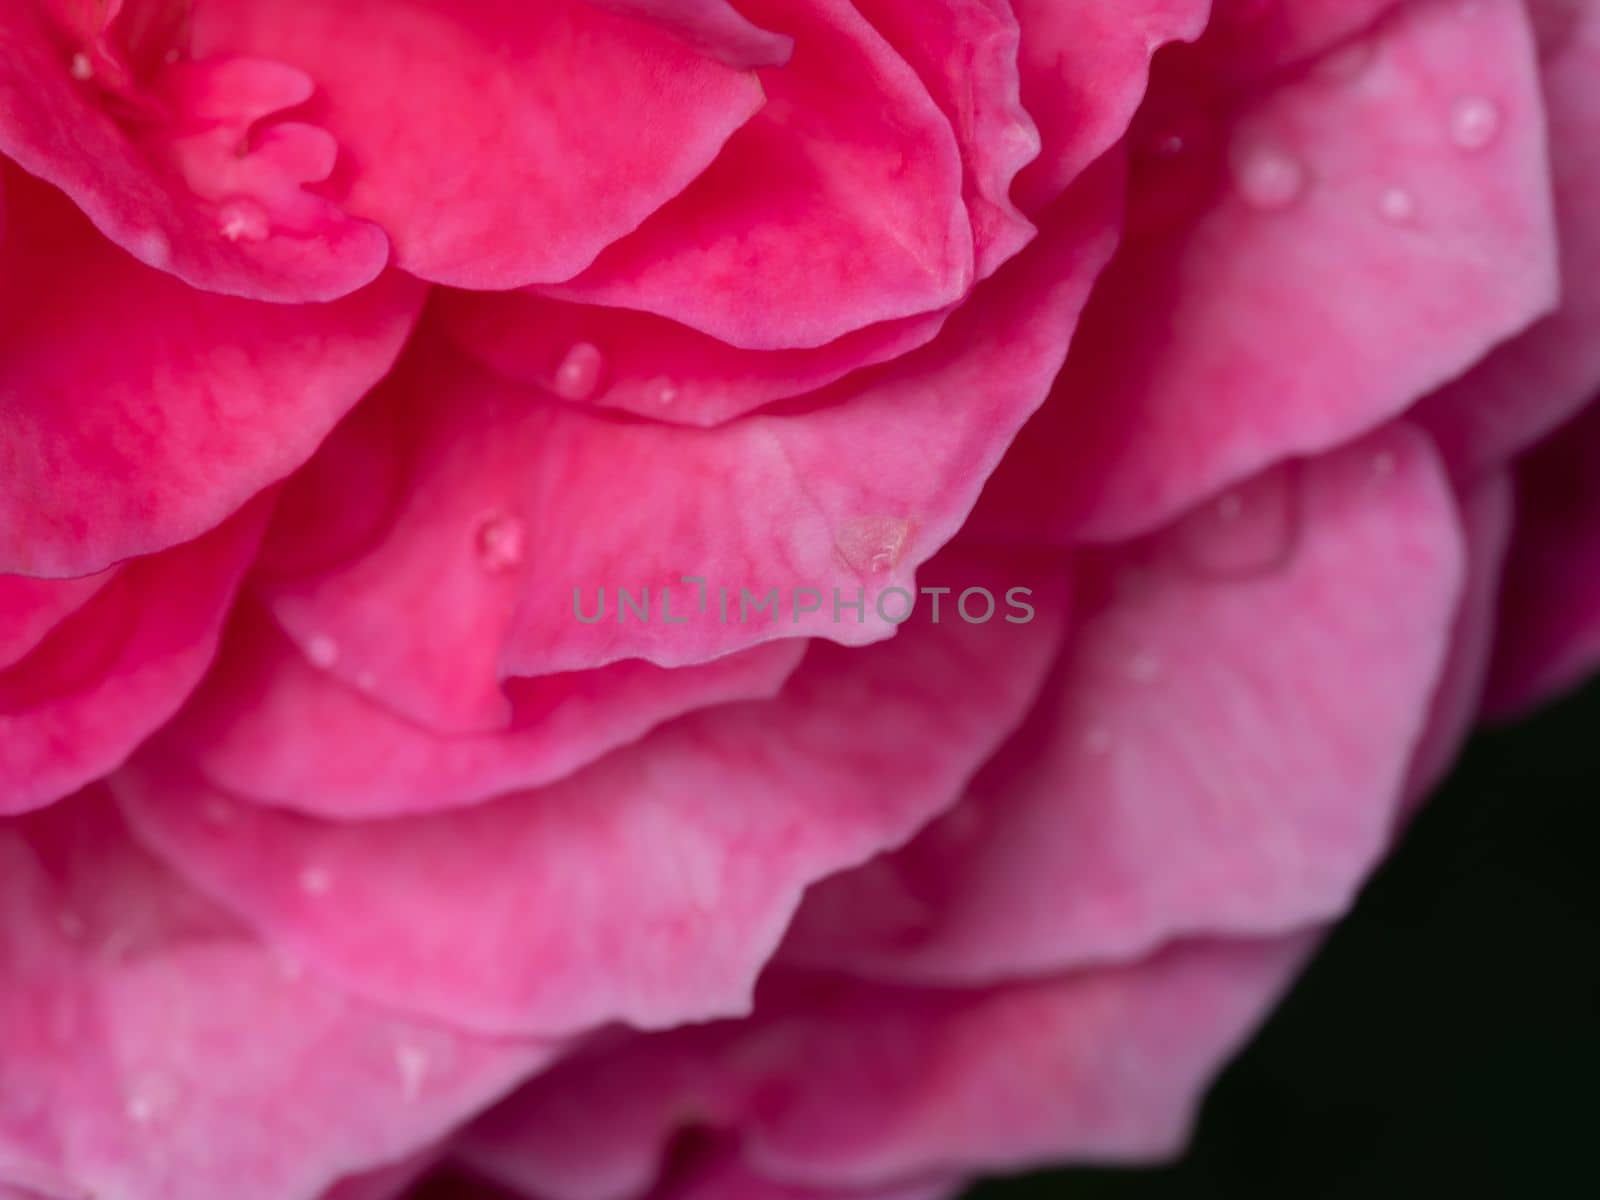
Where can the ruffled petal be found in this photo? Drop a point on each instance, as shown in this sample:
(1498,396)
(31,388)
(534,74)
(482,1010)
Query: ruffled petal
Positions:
(154,1049)
(837,206)
(140,413)
(839,1084)
(1531,385)
(188,166)
(582,123)
(270,726)
(112,672)
(849,495)
(1387,222)
(713,27)
(649,888)
(1187,775)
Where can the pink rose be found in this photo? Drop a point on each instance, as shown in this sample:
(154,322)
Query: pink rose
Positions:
(505,663)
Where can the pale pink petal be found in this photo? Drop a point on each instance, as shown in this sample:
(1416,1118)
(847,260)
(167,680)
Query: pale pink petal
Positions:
(648,888)
(268,725)
(1487,520)
(186,165)
(837,206)
(850,1084)
(1529,386)
(153,1049)
(852,494)
(112,672)
(1222,749)
(140,413)
(1549,622)
(1364,235)
(579,123)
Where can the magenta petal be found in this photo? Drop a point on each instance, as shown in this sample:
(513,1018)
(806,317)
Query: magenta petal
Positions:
(1361,256)
(1529,386)
(153,1049)
(31,608)
(268,725)
(111,673)
(202,180)
(582,122)
(1487,521)
(853,495)
(844,1084)
(140,413)
(713,27)
(1221,752)
(649,887)
(647,365)
(837,206)
(1084,67)
(1549,623)
(726,1175)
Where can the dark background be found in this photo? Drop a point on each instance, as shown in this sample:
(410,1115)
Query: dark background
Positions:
(1447,1039)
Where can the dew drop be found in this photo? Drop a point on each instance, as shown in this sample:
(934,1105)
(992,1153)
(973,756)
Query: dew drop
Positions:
(291,969)
(243,220)
(1267,177)
(578,376)
(666,393)
(322,650)
(315,881)
(872,545)
(412,1063)
(1398,205)
(1474,122)
(1145,667)
(501,543)
(82,69)
(147,1099)
(1248,531)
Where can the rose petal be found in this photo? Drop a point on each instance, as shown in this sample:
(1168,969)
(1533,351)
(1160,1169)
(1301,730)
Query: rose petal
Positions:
(564,102)
(1187,775)
(269,725)
(111,673)
(1361,257)
(140,413)
(712,27)
(856,491)
(185,165)
(648,888)
(837,206)
(125,993)
(1531,385)
(851,1084)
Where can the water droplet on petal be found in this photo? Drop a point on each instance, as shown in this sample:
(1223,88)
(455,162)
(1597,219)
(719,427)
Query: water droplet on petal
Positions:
(412,1063)
(147,1099)
(1398,205)
(501,543)
(1347,63)
(1474,122)
(315,881)
(872,545)
(289,968)
(81,68)
(666,393)
(1145,667)
(1268,177)
(243,220)
(1176,164)
(322,650)
(1245,532)
(578,376)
